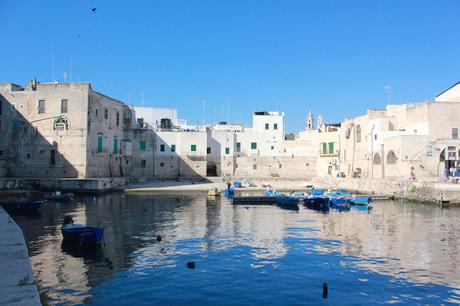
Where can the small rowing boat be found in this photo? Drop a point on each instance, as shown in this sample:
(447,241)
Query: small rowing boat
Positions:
(80,233)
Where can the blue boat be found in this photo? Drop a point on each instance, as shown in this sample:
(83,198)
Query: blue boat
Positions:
(287,202)
(361,202)
(13,207)
(317,192)
(229,192)
(80,233)
(317,202)
(284,200)
(340,203)
(272,193)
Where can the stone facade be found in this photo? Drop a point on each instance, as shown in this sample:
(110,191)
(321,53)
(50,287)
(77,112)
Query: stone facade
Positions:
(68,130)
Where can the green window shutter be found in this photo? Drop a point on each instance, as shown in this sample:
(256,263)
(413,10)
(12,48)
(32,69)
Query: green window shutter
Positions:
(238,147)
(253,145)
(324,147)
(99,143)
(193,148)
(267,126)
(115,145)
(275,126)
(331,148)
(142,145)
(227,151)
(173,148)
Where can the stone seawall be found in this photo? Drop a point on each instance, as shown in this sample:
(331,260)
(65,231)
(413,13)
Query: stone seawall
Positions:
(424,191)
(17,284)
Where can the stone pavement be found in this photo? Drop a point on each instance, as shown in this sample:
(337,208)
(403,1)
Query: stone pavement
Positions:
(17,284)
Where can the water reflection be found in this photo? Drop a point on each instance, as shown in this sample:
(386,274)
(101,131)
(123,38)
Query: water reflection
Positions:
(404,241)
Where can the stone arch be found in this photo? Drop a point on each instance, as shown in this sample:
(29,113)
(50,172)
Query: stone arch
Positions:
(391,158)
(377,160)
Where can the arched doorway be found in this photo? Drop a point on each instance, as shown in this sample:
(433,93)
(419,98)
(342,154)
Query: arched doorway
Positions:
(211,168)
(448,158)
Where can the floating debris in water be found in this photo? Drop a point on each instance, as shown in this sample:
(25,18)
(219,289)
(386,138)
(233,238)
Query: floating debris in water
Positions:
(158,238)
(325,291)
(191,265)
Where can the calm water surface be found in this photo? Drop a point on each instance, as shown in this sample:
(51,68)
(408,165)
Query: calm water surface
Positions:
(398,253)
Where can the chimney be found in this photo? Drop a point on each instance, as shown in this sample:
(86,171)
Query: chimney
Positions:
(33,84)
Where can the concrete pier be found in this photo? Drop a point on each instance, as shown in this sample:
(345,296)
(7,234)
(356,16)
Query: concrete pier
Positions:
(17,284)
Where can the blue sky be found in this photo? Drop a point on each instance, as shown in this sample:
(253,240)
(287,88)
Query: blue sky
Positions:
(332,57)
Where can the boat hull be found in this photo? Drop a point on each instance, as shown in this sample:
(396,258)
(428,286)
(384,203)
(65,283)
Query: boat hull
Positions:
(22,206)
(83,235)
(317,203)
(340,203)
(228,193)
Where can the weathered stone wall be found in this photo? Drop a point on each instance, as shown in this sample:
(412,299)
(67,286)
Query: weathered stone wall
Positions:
(272,166)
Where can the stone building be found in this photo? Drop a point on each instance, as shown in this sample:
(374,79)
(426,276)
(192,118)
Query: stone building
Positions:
(235,150)
(407,141)
(68,130)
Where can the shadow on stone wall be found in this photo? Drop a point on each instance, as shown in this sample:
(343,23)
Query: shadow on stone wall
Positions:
(26,152)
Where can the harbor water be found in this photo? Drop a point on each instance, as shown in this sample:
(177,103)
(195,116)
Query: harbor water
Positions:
(214,253)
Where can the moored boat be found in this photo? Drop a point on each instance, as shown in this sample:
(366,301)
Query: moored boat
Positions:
(229,192)
(340,203)
(22,206)
(80,233)
(59,196)
(317,192)
(317,202)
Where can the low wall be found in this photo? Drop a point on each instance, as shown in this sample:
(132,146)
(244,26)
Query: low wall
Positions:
(74,185)
(17,284)
(434,192)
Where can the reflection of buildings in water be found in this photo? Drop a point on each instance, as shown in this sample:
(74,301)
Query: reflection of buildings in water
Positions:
(199,225)
(393,239)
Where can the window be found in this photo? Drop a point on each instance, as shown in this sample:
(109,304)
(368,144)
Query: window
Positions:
(162,148)
(100,142)
(275,126)
(96,112)
(173,148)
(208,150)
(41,106)
(331,148)
(358,133)
(106,113)
(454,133)
(63,106)
(162,164)
(267,126)
(227,151)
(238,147)
(52,157)
(193,148)
(272,147)
(391,158)
(14,125)
(254,166)
(253,145)
(377,159)
(143,163)
(375,137)
(115,145)
(118,119)
(324,148)
(142,145)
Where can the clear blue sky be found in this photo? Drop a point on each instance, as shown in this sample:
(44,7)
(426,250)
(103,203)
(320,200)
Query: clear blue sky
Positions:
(333,57)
